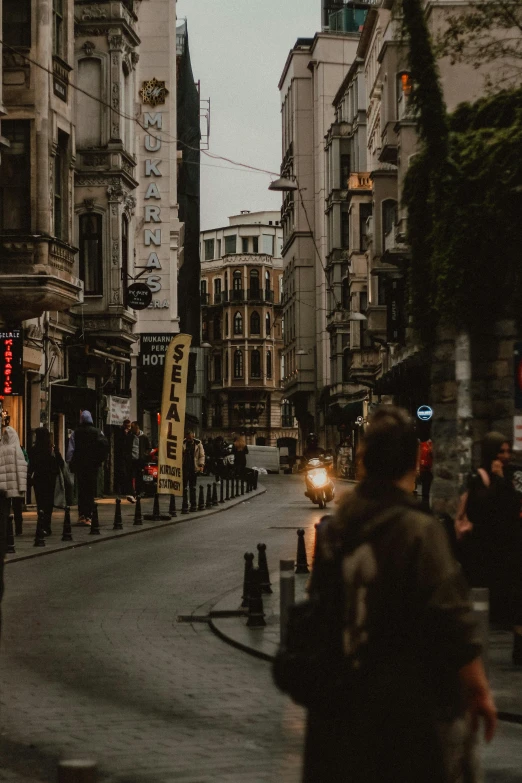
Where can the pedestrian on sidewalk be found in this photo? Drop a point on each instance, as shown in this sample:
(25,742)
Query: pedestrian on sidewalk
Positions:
(13,484)
(489,526)
(413,685)
(87,450)
(139,447)
(45,464)
(193,463)
(240,451)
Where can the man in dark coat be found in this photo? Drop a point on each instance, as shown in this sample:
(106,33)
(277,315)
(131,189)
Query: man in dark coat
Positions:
(87,450)
(139,446)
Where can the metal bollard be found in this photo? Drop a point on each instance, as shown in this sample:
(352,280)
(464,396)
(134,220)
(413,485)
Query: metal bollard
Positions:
(480,601)
(77,771)
(286,593)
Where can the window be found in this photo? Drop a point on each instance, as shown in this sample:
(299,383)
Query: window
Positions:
(344,171)
(219,249)
(89,116)
(269,364)
(209,249)
(404,91)
(255,323)
(217,290)
(226,324)
(345,229)
(268,244)
(15,177)
(226,367)
(61,166)
(244,245)
(230,244)
(58,28)
(217,327)
(255,364)
(236,281)
(267,325)
(287,420)
(217,368)
(238,363)
(345,291)
(238,323)
(365,211)
(254,282)
(389,217)
(267,280)
(125,256)
(255,244)
(91,253)
(203,288)
(16,21)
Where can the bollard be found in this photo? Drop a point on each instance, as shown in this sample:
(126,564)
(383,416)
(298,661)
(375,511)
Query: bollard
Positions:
(208,504)
(184,502)
(221,500)
(254,479)
(67,529)
(263,567)
(480,601)
(77,771)
(156,516)
(118,522)
(172,506)
(138,519)
(249,564)
(95,522)
(201,504)
(302,563)
(256,614)
(227,490)
(232,492)
(214,494)
(10,535)
(39,538)
(242,486)
(286,593)
(19,527)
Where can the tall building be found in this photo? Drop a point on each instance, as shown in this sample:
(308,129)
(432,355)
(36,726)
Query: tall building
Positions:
(241,288)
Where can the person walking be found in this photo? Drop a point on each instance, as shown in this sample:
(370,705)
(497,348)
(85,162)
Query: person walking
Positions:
(139,449)
(87,450)
(490,531)
(413,685)
(193,463)
(122,463)
(13,472)
(45,464)
(239,451)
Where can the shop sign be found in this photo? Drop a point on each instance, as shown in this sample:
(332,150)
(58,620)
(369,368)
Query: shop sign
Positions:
(11,352)
(153,349)
(173,404)
(424,413)
(118,409)
(139,296)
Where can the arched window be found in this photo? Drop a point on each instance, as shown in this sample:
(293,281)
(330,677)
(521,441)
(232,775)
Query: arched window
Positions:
(236,284)
(267,325)
(269,364)
(217,367)
(254,282)
(255,364)
(217,327)
(255,323)
(267,280)
(238,363)
(287,420)
(91,253)
(238,323)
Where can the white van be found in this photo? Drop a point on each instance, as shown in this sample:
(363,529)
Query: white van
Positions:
(266,457)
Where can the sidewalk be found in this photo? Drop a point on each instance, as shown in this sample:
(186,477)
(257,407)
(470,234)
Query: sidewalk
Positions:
(228,621)
(24,544)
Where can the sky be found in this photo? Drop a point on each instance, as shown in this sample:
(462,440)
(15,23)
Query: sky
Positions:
(238,50)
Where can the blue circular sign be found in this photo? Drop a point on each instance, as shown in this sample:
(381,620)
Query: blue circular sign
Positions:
(424,412)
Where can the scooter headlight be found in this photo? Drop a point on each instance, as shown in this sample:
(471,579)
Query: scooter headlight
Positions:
(319,478)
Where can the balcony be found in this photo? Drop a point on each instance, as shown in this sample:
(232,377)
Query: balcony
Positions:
(260,295)
(236,295)
(205,298)
(358,181)
(36,274)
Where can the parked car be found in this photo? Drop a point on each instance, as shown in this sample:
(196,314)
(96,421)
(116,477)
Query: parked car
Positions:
(150,473)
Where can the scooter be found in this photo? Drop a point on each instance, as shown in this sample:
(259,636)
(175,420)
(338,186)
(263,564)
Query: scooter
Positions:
(319,486)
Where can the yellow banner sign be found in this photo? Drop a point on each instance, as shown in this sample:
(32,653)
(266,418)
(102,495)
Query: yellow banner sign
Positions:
(173,403)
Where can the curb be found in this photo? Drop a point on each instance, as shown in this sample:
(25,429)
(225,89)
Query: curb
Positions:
(100,539)
(238,645)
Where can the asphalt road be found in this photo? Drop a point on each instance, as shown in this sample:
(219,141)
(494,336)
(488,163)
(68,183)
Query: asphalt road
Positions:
(94,663)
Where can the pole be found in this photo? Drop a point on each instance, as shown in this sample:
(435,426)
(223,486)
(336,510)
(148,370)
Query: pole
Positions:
(286,593)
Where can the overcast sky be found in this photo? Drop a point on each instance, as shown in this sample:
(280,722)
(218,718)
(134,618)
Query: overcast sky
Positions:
(238,50)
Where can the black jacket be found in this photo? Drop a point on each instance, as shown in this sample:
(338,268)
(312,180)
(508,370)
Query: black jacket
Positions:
(90,448)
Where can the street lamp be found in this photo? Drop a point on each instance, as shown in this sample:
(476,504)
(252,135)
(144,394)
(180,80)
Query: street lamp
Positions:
(354,316)
(283,185)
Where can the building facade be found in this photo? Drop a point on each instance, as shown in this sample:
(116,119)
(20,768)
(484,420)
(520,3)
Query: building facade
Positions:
(242,323)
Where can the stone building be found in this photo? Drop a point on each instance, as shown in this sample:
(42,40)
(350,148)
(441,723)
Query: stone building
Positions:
(241,287)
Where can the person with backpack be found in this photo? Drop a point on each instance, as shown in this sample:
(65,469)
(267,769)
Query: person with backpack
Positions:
(45,464)
(489,530)
(403,681)
(87,450)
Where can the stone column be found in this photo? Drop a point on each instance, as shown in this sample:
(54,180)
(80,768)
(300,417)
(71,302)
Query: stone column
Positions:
(115,40)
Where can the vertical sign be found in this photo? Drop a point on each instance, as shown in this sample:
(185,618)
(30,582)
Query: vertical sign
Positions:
(395,327)
(170,451)
(11,373)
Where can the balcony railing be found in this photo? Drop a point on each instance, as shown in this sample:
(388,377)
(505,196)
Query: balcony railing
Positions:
(236,295)
(205,298)
(260,295)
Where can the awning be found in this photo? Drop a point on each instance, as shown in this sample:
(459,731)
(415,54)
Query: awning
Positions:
(344,414)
